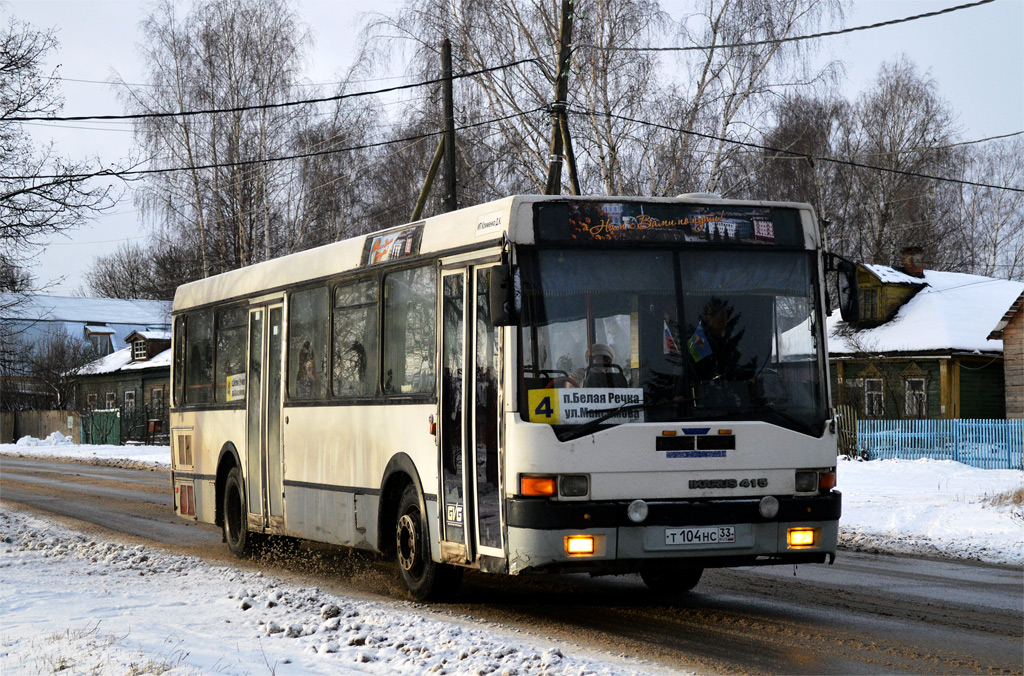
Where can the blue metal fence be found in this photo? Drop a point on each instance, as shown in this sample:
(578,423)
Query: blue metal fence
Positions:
(989,444)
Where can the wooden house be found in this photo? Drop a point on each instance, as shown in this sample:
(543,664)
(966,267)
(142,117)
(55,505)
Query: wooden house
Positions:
(922,347)
(1010,330)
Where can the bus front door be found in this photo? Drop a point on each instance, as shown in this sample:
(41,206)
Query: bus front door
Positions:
(264,475)
(469,460)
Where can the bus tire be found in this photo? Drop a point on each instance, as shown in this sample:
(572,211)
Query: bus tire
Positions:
(425,579)
(671,581)
(241,541)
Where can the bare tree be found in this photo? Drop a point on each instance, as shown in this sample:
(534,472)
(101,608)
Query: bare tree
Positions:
(40,192)
(126,273)
(720,91)
(55,361)
(901,125)
(992,220)
(227,205)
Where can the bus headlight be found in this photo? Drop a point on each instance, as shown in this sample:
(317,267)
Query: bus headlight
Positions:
(806,482)
(768,507)
(579,545)
(637,511)
(802,538)
(573,485)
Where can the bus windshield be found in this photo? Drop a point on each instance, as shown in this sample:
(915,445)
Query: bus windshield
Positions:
(670,336)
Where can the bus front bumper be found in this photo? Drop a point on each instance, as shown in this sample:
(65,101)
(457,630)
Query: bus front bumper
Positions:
(543,536)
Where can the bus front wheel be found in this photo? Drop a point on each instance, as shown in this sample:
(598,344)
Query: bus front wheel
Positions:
(241,541)
(425,579)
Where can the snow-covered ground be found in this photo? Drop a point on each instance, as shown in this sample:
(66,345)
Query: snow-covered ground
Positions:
(75,604)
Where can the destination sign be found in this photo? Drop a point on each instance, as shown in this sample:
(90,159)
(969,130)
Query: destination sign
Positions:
(666,222)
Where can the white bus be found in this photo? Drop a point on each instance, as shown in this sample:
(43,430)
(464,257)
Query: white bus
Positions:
(537,384)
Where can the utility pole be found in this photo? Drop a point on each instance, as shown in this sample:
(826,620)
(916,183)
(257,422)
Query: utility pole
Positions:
(558,111)
(451,201)
(446,145)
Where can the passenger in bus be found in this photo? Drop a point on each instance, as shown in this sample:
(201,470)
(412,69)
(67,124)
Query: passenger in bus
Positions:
(307,372)
(600,370)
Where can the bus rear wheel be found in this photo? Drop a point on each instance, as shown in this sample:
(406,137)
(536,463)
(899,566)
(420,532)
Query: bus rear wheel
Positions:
(241,541)
(425,579)
(671,581)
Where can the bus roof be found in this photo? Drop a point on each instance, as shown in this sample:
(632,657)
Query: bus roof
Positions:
(478,225)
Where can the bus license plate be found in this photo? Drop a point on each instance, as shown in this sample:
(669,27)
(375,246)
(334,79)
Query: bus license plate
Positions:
(700,535)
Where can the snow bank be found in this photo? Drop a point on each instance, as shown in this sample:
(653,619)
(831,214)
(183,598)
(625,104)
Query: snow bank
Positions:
(55,439)
(133,609)
(930,507)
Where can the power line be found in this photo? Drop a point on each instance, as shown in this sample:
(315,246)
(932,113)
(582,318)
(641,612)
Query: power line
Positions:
(262,106)
(834,160)
(795,38)
(266,160)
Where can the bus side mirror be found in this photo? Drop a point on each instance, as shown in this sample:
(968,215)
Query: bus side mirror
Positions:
(849,292)
(505,293)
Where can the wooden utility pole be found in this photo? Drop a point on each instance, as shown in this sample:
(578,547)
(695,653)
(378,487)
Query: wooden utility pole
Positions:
(446,146)
(554,186)
(451,201)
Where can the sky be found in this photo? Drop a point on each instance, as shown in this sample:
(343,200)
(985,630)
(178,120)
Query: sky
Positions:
(122,605)
(976,56)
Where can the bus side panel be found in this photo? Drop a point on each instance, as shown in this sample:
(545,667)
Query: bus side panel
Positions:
(334,462)
(197,438)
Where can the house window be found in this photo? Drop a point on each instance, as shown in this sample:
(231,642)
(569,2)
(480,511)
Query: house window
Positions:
(129,402)
(110,400)
(874,398)
(91,400)
(915,398)
(869,303)
(156,402)
(139,350)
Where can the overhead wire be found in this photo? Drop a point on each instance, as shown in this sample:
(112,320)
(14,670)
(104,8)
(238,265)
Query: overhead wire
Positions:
(794,38)
(265,160)
(263,106)
(834,160)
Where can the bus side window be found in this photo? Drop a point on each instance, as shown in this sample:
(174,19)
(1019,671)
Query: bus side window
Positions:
(409,324)
(230,363)
(199,358)
(179,360)
(355,339)
(307,344)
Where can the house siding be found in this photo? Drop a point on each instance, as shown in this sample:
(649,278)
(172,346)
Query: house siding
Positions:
(892,374)
(1013,353)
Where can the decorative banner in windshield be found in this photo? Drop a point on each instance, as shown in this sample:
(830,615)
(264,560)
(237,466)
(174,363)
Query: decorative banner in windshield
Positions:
(665,222)
(393,245)
(575,405)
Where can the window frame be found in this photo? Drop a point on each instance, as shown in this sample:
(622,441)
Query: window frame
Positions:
(377,310)
(871,395)
(921,405)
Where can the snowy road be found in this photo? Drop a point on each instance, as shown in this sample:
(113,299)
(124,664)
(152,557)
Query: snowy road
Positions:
(866,614)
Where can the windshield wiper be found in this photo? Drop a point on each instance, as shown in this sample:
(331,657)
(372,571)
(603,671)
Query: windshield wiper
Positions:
(585,428)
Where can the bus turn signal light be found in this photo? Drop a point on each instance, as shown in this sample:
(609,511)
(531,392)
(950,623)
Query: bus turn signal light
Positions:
(579,545)
(800,538)
(537,486)
(826,481)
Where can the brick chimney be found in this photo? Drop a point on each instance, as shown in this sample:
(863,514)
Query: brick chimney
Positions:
(913,261)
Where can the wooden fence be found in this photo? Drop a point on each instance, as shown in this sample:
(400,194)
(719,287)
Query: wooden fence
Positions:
(988,444)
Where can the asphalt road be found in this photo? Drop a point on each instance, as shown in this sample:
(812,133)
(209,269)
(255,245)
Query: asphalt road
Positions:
(867,614)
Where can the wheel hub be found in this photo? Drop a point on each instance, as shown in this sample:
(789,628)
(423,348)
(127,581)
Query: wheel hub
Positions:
(406,542)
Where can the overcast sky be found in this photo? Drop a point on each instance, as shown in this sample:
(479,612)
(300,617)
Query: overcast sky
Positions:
(976,56)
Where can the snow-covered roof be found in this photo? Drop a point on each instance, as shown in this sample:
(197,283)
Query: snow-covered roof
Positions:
(86,310)
(954,311)
(997,333)
(122,361)
(35,316)
(151,334)
(889,275)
